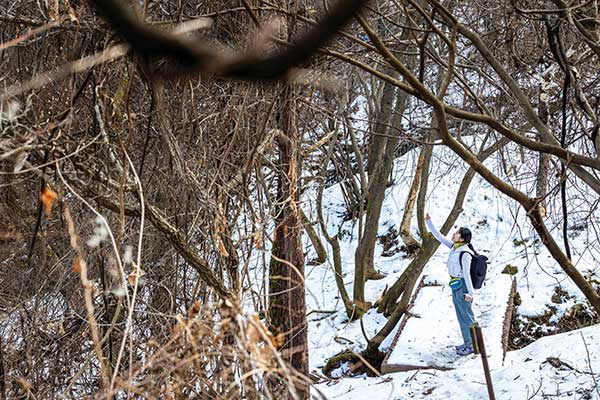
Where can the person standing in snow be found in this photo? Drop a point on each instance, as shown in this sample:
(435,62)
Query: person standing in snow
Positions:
(459,268)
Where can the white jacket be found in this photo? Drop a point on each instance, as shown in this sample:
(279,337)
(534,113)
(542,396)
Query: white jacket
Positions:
(454,263)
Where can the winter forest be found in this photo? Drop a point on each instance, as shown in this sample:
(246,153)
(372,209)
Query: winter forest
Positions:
(241,199)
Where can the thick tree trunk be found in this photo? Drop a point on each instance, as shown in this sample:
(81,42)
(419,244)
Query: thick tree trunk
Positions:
(287,306)
(422,196)
(428,247)
(411,276)
(409,241)
(378,141)
(382,148)
(378,179)
(376,191)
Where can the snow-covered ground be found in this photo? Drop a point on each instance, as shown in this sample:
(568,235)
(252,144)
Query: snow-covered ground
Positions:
(522,374)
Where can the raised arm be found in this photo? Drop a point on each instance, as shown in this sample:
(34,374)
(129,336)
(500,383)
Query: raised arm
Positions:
(443,240)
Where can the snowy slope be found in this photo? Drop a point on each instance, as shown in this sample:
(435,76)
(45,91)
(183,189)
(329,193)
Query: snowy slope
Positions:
(492,218)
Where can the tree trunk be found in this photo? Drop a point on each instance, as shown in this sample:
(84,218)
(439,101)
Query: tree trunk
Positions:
(386,132)
(378,140)
(412,275)
(314,238)
(287,306)
(388,303)
(409,241)
(351,311)
(378,179)
(541,187)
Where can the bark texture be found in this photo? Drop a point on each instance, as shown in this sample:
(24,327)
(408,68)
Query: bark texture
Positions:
(287,305)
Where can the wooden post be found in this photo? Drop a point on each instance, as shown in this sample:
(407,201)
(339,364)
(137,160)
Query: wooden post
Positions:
(479,348)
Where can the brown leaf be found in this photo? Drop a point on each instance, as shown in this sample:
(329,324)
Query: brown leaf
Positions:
(219,227)
(52,11)
(72,14)
(133,276)
(255,336)
(195,309)
(222,248)
(48,197)
(256,239)
(252,334)
(77,265)
(279,340)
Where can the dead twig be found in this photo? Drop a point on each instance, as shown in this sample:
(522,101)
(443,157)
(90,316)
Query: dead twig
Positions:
(30,33)
(587,352)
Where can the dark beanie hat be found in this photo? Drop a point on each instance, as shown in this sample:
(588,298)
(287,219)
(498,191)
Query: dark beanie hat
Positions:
(465,233)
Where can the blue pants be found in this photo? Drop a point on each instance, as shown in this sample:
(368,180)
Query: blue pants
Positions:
(464,313)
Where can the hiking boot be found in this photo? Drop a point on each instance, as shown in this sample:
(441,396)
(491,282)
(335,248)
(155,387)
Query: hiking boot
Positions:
(465,351)
(459,347)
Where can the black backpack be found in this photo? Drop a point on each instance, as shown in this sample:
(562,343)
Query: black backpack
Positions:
(478,268)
